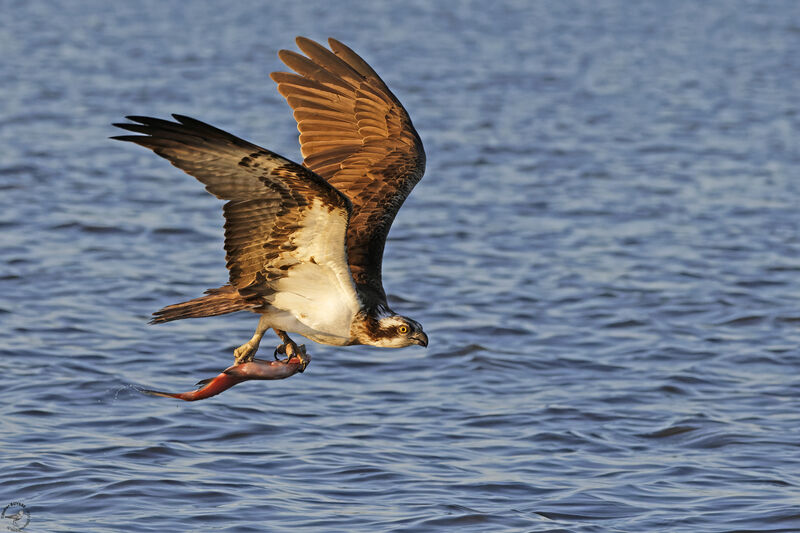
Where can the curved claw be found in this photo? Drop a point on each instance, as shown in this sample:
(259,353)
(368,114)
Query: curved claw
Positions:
(289,349)
(301,356)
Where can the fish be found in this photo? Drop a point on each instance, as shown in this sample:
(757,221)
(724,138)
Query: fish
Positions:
(233,375)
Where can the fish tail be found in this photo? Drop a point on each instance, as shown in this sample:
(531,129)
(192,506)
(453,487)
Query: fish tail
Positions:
(159,393)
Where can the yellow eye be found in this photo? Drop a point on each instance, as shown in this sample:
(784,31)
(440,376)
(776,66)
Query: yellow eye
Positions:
(403,329)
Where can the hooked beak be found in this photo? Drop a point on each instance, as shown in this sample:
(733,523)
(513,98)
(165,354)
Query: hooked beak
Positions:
(420,338)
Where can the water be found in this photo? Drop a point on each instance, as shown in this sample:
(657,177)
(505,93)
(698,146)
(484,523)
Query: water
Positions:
(604,253)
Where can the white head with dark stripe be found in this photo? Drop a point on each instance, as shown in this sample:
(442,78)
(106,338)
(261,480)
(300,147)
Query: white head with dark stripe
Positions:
(386,329)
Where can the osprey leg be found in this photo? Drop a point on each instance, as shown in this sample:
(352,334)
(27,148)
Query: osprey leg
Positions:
(288,347)
(246,352)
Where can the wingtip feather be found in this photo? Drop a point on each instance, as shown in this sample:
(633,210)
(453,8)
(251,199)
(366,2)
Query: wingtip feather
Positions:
(141,119)
(185,119)
(288,55)
(127,138)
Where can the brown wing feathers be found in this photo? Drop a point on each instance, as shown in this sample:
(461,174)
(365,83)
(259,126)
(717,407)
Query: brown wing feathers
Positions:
(355,134)
(268,200)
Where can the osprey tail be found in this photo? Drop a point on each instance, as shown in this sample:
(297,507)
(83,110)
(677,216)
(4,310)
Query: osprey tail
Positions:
(221,301)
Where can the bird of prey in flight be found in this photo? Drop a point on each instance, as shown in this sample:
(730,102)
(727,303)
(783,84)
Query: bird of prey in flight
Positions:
(304,242)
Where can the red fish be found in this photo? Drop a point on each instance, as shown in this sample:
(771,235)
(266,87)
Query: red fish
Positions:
(233,375)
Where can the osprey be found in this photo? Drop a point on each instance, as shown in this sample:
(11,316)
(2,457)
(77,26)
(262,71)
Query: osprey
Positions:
(304,243)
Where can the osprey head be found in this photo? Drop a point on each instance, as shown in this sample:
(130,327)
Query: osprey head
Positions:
(395,331)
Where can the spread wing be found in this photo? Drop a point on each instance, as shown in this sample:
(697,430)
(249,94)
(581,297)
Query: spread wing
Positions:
(356,135)
(281,219)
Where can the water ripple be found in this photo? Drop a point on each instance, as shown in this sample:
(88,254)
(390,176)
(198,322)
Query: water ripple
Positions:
(603,252)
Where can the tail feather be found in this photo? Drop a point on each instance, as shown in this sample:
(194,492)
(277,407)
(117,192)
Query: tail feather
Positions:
(219,301)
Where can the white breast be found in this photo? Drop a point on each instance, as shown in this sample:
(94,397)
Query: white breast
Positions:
(317,298)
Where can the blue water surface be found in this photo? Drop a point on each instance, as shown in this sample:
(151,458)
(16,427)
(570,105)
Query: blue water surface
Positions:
(605,252)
